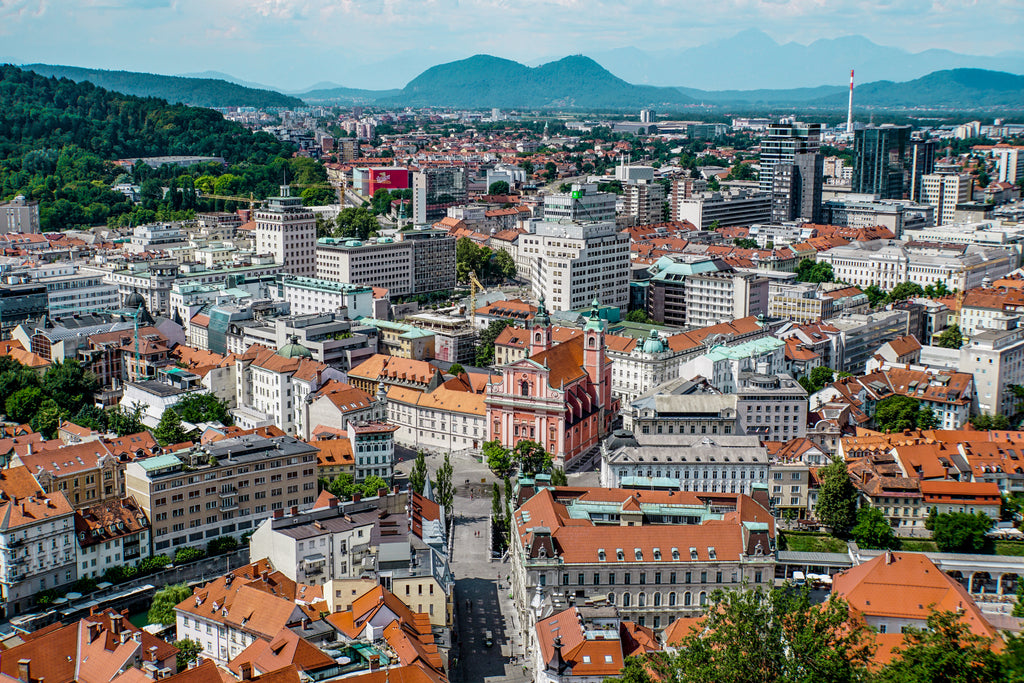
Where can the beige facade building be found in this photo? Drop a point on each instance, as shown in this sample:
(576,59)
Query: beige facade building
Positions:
(944,191)
(222,489)
(287,230)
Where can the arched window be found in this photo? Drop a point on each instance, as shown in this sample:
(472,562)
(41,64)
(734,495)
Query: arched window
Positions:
(524,388)
(703,599)
(687,599)
(611,598)
(625,599)
(593,342)
(672,599)
(536,337)
(641,599)
(657,599)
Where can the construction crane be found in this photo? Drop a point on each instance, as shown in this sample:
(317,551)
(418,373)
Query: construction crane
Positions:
(233,198)
(474,284)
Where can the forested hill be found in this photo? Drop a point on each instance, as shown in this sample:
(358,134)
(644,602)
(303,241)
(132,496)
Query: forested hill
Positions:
(198,92)
(57,138)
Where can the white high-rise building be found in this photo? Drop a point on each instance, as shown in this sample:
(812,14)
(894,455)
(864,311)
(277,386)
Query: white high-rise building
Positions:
(574,263)
(287,230)
(944,191)
(583,203)
(1011,162)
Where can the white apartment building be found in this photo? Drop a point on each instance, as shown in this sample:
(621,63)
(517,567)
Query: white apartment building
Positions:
(313,295)
(574,263)
(69,291)
(1010,162)
(418,262)
(645,202)
(224,488)
(737,207)
(723,365)
(887,263)
(157,237)
(287,230)
(995,357)
(582,204)
(276,387)
(716,297)
(37,540)
(944,191)
(317,546)
(378,262)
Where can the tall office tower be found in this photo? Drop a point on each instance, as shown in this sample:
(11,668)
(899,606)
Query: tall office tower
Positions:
(572,263)
(944,189)
(796,188)
(287,229)
(921,163)
(645,201)
(782,147)
(880,163)
(781,143)
(435,189)
(583,203)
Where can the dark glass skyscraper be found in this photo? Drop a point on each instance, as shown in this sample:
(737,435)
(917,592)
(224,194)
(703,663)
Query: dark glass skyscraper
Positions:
(880,163)
(791,170)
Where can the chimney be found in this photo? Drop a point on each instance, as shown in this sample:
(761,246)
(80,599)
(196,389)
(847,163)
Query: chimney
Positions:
(263,575)
(245,670)
(278,514)
(115,623)
(305,623)
(152,653)
(888,557)
(295,510)
(356,497)
(25,670)
(333,502)
(30,448)
(94,631)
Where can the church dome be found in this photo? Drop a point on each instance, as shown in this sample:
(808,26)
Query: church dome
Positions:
(653,343)
(293,349)
(135,300)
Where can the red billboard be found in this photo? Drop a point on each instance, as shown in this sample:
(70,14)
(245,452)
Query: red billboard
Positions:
(387,179)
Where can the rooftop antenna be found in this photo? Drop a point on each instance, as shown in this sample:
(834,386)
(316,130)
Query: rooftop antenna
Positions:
(849,110)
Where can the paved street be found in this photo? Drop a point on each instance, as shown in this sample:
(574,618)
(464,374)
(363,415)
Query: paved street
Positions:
(476,581)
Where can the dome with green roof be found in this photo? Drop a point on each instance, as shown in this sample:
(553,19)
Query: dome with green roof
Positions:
(653,343)
(293,349)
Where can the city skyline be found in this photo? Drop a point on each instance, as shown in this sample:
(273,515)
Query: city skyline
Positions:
(293,44)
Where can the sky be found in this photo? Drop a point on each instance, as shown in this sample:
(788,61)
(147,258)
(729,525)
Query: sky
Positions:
(292,44)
